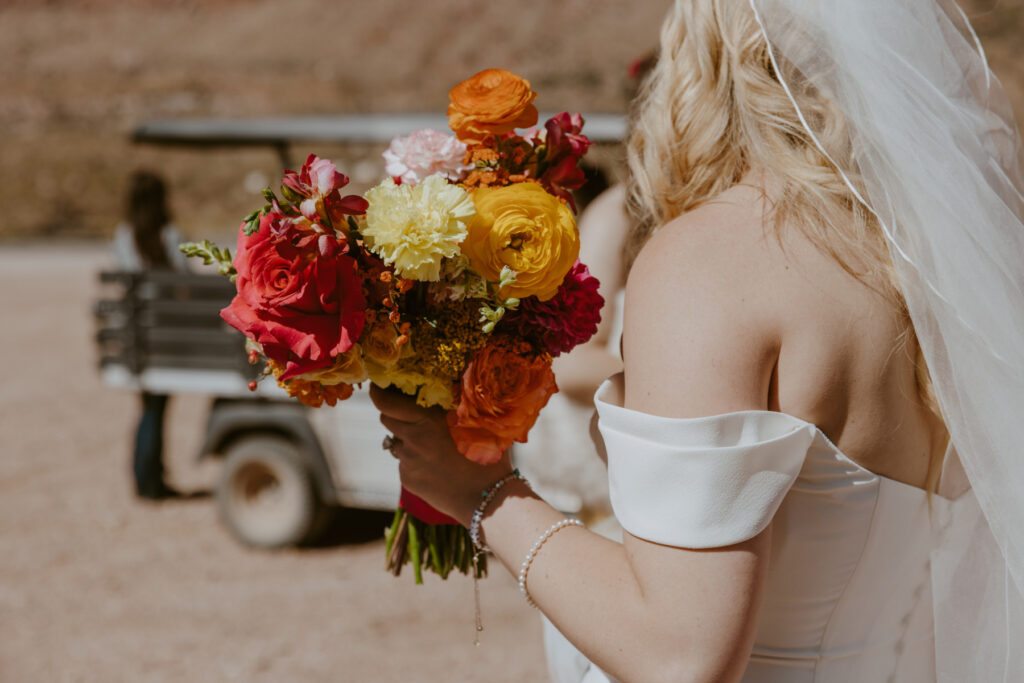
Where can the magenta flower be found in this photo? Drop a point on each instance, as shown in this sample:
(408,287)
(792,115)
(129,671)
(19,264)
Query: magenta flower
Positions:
(316,188)
(564,134)
(565,146)
(568,319)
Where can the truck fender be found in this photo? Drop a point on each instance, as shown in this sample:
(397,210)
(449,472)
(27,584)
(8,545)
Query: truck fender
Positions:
(231,419)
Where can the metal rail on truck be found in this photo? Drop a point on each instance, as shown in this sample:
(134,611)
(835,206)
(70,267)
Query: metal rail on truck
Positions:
(281,132)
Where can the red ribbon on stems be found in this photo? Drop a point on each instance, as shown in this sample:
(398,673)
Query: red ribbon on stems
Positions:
(422,510)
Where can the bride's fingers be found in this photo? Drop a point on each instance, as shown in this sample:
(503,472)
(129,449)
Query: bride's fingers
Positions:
(397,427)
(418,435)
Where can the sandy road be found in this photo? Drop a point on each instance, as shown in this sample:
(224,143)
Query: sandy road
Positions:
(96,586)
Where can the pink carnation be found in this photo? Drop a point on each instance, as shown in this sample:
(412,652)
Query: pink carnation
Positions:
(568,319)
(425,153)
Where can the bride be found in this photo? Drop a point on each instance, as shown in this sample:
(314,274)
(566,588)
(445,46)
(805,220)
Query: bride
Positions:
(817,335)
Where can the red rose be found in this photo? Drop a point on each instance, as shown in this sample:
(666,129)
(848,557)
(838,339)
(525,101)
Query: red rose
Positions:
(565,134)
(303,305)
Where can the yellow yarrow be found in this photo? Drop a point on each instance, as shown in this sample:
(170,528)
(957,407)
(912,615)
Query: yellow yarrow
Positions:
(413,227)
(446,347)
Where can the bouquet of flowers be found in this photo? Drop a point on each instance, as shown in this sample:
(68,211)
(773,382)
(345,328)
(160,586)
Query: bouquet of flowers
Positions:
(455,280)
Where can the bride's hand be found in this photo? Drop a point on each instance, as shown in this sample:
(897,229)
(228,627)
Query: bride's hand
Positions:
(428,462)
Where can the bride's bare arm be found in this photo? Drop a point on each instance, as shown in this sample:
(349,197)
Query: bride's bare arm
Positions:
(695,345)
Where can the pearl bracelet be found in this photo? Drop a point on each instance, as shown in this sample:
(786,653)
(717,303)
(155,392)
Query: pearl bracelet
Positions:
(487,496)
(525,569)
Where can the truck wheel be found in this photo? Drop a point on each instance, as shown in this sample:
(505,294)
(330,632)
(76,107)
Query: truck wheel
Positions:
(265,496)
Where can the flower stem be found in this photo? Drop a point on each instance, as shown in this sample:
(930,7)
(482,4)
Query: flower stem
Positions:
(435,557)
(414,551)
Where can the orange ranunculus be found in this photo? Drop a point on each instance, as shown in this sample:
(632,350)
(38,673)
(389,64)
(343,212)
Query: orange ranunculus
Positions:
(503,390)
(492,102)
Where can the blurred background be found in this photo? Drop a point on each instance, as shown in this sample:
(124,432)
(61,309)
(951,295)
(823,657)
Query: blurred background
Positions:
(96,585)
(79,76)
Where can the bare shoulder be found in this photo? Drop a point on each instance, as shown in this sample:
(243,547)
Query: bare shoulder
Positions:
(723,316)
(725,240)
(702,327)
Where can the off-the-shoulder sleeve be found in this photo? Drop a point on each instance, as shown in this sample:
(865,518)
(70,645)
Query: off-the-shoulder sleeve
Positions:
(702,482)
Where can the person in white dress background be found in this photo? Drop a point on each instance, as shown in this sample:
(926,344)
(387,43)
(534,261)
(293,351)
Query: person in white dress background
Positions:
(147,240)
(567,473)
(775,446)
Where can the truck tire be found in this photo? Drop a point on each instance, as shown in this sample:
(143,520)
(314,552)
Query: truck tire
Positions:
(266,497)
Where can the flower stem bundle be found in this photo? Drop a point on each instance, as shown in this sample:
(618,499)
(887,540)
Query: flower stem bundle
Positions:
(439,547)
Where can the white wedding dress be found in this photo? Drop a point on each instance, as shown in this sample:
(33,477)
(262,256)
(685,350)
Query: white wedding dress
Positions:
(848,593)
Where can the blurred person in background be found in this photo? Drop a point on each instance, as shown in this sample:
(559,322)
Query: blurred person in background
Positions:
(146,240)
(567,473)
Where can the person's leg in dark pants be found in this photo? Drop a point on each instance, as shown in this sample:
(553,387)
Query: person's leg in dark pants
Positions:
(149,445)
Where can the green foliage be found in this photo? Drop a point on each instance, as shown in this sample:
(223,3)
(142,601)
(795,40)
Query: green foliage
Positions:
(211,253)
(493,310)
(252,219)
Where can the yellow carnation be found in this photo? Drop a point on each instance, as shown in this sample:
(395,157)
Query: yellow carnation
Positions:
(525,228)
(413,227)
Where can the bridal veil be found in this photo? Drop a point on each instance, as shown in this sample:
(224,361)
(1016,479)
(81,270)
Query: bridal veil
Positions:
(939,163)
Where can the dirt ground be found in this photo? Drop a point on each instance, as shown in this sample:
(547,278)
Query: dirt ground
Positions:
(97,586)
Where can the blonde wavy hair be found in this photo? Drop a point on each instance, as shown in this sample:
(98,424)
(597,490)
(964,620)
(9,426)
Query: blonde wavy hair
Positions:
(712,109)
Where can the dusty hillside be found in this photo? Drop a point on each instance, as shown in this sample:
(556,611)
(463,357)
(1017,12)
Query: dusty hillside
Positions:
(78,76)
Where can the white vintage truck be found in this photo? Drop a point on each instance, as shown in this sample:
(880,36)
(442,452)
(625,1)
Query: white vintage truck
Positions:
(285,466)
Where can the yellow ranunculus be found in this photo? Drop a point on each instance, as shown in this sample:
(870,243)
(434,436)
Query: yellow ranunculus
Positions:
(525,228)
(414,226)
(436,392)
(428,390)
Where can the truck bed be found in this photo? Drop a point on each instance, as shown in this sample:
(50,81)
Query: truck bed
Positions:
(161,332)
